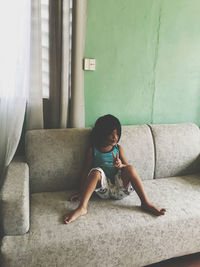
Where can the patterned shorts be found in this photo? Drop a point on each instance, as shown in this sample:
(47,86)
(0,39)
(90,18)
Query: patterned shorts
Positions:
(110,190)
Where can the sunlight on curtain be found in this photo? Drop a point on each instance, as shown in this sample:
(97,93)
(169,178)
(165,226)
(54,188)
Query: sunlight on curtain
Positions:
(34,115)
(14,77)
(45,47)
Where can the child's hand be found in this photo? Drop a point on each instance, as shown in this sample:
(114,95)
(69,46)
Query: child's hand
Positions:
(117,161)
(75,196)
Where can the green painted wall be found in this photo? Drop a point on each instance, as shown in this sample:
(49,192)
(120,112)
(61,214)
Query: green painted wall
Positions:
(147,61)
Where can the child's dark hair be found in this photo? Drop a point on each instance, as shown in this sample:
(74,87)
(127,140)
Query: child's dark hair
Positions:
(103,127)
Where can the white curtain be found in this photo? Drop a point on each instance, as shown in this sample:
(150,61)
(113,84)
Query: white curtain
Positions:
(14,74)
(20,73)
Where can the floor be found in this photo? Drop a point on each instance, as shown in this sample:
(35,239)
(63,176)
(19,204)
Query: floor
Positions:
(185,261)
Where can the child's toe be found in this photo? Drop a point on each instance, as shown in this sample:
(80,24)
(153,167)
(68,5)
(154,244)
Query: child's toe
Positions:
(162,211)
(66,218)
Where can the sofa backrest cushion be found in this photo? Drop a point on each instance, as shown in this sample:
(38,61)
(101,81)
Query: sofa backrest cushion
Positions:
(56,157)
(138,146)
(177,148)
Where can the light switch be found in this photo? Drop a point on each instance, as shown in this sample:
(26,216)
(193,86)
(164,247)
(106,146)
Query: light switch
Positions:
(92,64)
(89,64)
(86,64)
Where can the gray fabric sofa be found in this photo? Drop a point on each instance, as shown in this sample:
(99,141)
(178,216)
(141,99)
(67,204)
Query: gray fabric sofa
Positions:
(35,193)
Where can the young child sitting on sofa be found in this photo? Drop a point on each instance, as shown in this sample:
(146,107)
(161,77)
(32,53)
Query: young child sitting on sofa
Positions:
(107,172)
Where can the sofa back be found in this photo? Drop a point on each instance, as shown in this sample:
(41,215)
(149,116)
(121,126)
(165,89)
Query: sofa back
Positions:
(56,157)
(177,148)
(138,146)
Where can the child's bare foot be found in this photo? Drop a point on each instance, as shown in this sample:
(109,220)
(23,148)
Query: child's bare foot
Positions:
(74,215)
(149,207)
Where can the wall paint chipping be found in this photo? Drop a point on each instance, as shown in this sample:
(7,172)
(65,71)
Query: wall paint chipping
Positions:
(147,61)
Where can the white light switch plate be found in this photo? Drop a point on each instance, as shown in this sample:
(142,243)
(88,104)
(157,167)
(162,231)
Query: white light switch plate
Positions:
(89,64)
(92,64)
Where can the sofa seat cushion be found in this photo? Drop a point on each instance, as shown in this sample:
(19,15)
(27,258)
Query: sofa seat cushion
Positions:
(115,230)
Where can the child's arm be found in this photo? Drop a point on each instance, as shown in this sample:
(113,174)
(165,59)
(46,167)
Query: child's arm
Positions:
(86,169)
(120,160)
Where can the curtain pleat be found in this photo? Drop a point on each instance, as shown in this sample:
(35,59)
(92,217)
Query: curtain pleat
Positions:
(66,64)
(77,112)
(34,116)
(55,52)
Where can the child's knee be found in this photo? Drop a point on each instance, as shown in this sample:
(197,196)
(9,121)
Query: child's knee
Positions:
(129,168)
(95,174)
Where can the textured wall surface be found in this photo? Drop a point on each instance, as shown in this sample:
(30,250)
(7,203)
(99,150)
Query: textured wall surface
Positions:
(147,61)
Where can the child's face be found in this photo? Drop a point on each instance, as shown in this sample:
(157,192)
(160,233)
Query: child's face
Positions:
(112,138)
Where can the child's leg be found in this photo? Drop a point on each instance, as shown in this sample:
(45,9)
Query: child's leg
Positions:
(129,174)
(91,183)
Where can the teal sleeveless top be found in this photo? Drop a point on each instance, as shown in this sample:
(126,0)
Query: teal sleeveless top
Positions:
(105,161)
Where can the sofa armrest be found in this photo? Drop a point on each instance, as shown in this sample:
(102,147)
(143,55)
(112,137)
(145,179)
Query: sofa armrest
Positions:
(14,199)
